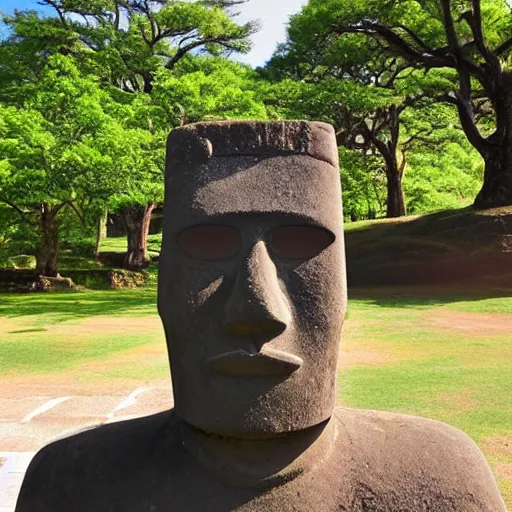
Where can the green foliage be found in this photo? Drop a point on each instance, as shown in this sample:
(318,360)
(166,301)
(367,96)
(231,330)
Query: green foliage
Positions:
(364,185)
(23,261)
(215,89)
(126,43)
(88,101)
(379,104)
(47,140)
(449,177)
(64,146)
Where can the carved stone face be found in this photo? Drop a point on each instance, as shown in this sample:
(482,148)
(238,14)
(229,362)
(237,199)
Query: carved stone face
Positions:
(252,289)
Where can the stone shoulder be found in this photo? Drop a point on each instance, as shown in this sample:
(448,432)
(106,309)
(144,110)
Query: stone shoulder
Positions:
(397,453)
(63,468)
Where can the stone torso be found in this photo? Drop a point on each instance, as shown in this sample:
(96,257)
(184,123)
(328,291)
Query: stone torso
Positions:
(379,463)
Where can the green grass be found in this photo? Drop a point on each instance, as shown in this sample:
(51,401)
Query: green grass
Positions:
(119,244)
(457,298)
(49,354)
(31,345)
(52,308)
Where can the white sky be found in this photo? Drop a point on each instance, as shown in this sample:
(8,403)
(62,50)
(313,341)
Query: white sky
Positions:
(273,16)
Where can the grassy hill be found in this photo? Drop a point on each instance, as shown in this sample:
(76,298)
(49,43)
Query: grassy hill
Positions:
(447,247)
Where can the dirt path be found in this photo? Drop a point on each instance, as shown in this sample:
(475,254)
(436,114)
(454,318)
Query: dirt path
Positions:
(474,324)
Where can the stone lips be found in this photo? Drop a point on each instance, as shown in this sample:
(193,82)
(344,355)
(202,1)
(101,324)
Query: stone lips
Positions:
(201,141)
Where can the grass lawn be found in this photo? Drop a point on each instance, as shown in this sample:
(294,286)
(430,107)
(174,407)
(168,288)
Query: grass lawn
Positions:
(441,355)
(120,244)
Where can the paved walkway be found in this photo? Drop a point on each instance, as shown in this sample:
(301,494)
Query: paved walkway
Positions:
(27,423)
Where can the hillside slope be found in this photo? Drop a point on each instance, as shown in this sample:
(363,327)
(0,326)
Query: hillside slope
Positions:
(457,246)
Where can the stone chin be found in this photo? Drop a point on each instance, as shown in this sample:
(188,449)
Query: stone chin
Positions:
(268,409)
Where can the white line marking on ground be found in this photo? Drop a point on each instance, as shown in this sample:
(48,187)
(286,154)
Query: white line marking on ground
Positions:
(128,401)
(45,407)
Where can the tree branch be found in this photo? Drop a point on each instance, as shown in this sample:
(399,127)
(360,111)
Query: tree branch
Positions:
(503,48)
(150,18)
(463,65)
(416,38)
(467,119)
(434,59)
(474,20)
(449,27)
(117,14)
(181,52)
(57,8)
(74,208)
(418,137)
(18,210)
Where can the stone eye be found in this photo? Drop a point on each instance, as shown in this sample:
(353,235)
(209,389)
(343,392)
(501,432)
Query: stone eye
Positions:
(210,242)
(299,242)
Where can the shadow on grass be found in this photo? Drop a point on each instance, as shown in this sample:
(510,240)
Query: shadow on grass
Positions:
(498,300)
(64,306)
(69,305)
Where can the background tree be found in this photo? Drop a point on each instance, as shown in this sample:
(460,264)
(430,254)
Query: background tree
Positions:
(382,125)
(138,160)
(208,88)
(364,93)
(126,44)
(471,38)
(49,158)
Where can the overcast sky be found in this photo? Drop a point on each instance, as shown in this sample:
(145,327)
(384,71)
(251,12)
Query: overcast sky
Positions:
(273,15)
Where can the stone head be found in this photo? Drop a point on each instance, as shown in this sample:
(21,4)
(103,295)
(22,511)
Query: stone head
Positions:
(252,289)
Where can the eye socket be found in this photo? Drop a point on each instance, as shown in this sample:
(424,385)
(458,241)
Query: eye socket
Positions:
(210,242)
(299,242)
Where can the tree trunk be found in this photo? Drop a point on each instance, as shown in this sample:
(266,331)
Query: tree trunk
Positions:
(395,200)
(101,232)
(497,186)
(136,220)
(497,152)
(395,204)
(48,252)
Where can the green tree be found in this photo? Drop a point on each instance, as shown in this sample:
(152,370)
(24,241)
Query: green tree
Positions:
(49,157)
(127,44)
(443,177)
(380,123)
(364,185)
(343,79)
(138,158)
(208,88)
(469,39)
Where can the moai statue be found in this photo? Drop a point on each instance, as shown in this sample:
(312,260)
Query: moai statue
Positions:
(252,295)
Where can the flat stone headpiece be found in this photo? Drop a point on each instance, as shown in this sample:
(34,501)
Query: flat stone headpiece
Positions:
(201,141)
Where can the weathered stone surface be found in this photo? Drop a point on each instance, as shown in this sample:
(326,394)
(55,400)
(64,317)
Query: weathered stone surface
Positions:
(252,295)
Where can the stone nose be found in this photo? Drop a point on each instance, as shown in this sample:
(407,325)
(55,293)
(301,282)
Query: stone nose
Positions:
(258,307)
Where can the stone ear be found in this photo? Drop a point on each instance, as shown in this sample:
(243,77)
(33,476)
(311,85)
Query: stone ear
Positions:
(188,146)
